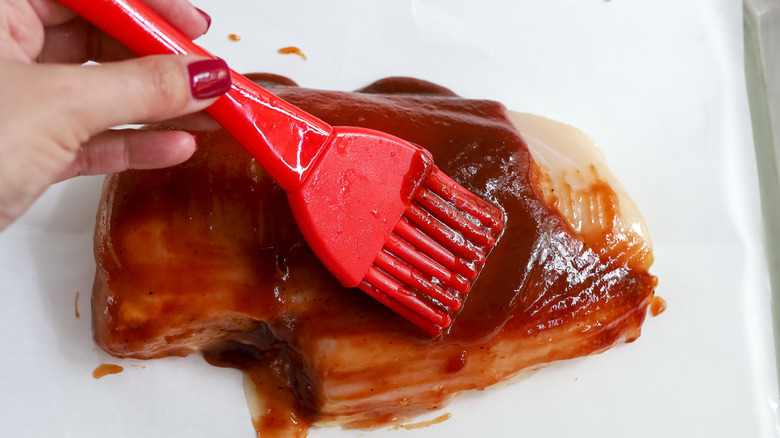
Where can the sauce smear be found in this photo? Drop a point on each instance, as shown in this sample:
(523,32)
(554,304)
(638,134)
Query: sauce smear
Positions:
(421,424)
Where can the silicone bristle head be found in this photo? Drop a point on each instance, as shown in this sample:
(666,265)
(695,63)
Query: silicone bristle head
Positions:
(435,253)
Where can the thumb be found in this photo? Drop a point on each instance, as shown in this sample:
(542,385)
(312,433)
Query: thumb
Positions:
(144,89)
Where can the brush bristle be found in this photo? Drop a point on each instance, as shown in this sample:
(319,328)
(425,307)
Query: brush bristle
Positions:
(435,253)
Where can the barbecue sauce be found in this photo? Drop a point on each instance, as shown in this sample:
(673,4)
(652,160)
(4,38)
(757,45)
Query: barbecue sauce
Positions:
(105,369)
(292,50)
(240,278)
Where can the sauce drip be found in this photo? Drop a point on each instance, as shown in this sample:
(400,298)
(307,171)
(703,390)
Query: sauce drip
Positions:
(657,306)
(104,369)
(216,242)
(292,50)
(76,305)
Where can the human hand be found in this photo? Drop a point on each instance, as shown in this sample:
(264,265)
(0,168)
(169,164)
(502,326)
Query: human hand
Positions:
(55,113)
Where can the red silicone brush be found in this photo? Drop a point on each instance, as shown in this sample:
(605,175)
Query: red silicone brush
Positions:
(374,208)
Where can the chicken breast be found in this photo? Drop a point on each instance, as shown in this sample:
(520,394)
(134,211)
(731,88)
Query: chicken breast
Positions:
(205,257)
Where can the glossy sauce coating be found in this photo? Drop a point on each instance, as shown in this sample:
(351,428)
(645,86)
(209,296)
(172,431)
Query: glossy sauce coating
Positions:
(206,257)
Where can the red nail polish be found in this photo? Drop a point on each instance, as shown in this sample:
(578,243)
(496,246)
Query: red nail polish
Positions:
(207,17)
(209,78)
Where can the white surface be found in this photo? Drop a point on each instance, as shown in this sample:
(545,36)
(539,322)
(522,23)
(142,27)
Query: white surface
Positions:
(658,83)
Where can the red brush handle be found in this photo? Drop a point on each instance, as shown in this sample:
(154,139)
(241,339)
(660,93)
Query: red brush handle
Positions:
(283,138)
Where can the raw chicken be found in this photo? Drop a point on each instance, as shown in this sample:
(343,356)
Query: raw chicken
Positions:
(205,257)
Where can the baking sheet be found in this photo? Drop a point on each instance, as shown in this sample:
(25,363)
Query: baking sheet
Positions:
(658,83)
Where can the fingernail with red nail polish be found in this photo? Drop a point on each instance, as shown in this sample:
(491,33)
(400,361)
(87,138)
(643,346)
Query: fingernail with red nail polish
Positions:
(207,17)
(209,78)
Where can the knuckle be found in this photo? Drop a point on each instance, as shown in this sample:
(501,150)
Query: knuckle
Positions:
(88,159)
(169,88)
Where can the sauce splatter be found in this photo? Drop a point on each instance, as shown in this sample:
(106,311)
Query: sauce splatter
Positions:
(76,305)
(105,369)
(421,424)
(657,306)
(292,50)
(234,37)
